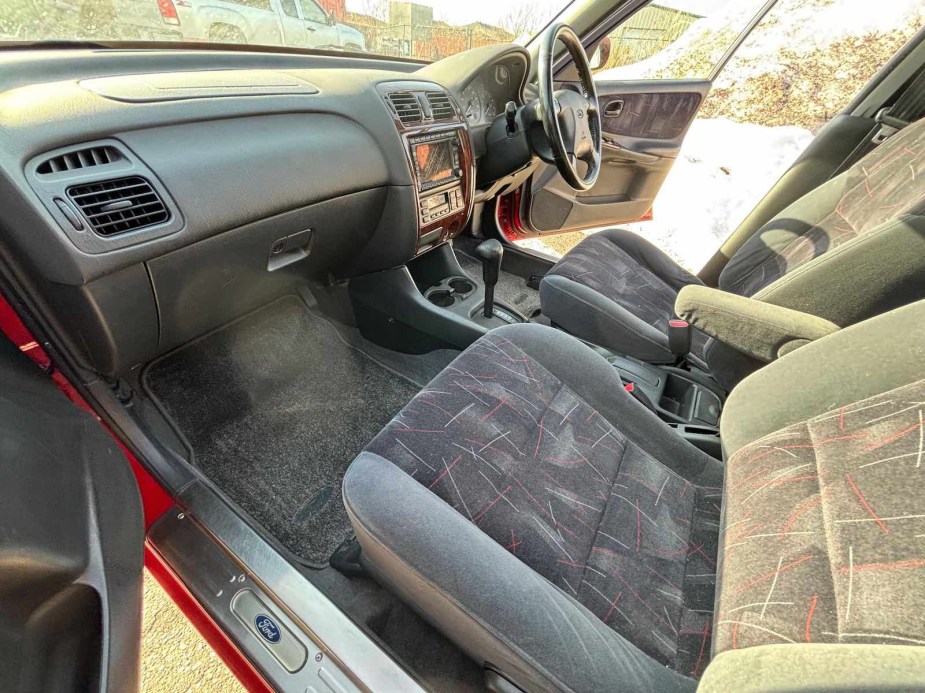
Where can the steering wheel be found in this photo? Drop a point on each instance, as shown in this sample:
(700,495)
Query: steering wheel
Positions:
(571,119)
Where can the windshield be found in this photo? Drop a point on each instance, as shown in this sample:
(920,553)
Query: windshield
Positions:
(425,30)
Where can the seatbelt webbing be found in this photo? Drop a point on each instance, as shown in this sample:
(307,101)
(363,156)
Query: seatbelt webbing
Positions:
(909,107)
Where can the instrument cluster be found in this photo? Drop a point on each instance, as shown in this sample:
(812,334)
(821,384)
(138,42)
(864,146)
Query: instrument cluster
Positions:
(483,99)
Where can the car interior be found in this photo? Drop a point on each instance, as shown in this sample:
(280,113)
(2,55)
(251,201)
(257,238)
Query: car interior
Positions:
(437,460)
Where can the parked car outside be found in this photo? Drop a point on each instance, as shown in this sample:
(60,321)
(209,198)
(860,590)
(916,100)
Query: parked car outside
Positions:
(130,20)
(295,23)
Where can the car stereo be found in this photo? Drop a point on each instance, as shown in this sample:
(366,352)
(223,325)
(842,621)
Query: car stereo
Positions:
(435,158)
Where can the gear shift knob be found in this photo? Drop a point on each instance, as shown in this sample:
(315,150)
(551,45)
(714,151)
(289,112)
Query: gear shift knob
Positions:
(490,253)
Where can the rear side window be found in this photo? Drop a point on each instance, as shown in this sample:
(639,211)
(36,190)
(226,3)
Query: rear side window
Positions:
(289,8)
(312,12)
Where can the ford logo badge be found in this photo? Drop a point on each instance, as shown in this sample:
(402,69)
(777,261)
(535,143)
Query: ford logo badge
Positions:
(267,628)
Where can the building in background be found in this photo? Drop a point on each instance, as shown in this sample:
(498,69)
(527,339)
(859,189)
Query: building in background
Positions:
(335,8)
(410,31)
(647,32)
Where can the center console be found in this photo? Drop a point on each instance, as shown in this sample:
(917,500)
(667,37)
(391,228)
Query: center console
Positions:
(688,401)
(431,303)
(439,154)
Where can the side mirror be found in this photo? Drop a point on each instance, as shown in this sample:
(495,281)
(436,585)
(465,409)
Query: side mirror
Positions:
(330,19)
(601,54)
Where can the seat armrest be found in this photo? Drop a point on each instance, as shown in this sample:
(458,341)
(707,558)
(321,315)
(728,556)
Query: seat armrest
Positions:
(762,330)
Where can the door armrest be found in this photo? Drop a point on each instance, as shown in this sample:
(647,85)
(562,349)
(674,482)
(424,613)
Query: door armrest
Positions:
(762,330)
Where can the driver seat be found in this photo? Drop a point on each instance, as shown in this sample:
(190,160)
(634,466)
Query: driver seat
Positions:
(852,248)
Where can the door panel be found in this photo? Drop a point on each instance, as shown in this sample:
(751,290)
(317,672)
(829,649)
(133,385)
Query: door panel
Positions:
(644,123)
(71,542)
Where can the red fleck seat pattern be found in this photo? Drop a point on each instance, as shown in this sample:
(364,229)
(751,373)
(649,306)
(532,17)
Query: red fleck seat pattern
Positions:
(824,531)
(548,477)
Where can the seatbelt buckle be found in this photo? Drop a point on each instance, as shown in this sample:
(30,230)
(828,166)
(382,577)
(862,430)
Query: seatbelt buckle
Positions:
(638,395)
(679,337)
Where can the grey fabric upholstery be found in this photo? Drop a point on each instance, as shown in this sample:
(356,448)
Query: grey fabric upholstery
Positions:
(563,535)
(885,186)
(867,275)
(821,522)
(853,364)
(494,606)
(523,436)
(818,668)
(617,290)
(851,249)
(761,330)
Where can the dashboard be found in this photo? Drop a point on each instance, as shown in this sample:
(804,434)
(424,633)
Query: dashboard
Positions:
(157,194)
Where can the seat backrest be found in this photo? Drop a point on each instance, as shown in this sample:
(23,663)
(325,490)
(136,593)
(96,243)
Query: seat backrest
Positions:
(886,186)
(824,507)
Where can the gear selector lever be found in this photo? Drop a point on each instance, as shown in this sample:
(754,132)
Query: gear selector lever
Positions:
(489,253)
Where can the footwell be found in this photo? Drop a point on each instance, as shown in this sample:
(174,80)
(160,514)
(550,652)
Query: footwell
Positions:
(275,407)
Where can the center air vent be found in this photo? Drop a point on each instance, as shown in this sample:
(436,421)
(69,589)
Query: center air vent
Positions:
(118,206)
(81,158)
(441,107)
(406,107)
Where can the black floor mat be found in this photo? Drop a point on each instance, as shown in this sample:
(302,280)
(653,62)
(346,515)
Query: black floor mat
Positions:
(275,407)
(510,289)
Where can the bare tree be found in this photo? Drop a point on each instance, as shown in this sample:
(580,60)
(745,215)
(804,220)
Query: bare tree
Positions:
(522,18)
(377,9)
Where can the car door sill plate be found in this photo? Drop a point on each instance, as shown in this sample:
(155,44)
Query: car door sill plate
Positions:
(269,630)
(278,645)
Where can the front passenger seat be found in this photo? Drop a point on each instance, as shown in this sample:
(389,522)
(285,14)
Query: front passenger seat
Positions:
(567,539)
(852,248)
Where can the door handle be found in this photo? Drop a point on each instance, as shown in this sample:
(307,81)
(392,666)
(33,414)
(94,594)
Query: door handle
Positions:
(311,29)
(623,154)
(613,109)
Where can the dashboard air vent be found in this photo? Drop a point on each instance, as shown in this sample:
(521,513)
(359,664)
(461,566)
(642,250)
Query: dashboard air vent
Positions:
(440,105)
(406,107)
(118,206)
(82,158)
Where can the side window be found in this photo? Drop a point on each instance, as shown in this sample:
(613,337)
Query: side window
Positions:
(313,12)
(685,40)
(289,8)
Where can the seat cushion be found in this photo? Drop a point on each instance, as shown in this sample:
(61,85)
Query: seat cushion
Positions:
(886,185)
(530,436)
(616,290)
(823,529)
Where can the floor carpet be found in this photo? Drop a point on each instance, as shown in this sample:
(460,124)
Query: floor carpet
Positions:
(275,407)
(510,289)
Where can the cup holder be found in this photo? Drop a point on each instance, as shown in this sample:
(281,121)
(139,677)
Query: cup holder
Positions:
(461,286)
(441,298)
(450,291)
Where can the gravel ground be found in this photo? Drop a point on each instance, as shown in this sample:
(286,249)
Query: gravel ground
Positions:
(174,657)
